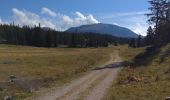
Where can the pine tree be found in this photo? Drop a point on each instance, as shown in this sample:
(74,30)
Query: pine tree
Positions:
(158,13)
(132,43)
(139,41)
(150,36)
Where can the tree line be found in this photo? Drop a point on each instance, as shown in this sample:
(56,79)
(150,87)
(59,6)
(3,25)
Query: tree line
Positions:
(41,37)
(158,32)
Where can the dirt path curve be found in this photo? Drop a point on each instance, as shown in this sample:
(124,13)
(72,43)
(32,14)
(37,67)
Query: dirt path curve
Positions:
(92,86)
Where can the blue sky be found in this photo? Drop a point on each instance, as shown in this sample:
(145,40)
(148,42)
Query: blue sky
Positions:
(63,14)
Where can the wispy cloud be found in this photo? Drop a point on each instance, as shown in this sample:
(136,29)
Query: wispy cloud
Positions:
(124,14)
(49,12)
(136,21)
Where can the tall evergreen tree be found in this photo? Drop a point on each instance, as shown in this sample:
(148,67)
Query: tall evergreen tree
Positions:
(139,41)
(157,15)
(150,36)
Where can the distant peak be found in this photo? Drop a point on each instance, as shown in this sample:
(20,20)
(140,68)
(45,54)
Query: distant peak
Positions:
(103,28)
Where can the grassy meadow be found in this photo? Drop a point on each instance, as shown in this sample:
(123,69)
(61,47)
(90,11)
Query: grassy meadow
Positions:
(37,68)
(44,67)
(153,77)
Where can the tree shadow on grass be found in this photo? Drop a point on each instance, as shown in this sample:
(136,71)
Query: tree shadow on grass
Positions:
(143,59)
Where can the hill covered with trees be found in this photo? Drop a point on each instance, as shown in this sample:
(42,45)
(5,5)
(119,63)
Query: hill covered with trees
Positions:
(37,36)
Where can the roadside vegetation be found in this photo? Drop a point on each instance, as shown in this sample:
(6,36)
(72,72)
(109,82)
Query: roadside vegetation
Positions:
(144,77)
(33,68)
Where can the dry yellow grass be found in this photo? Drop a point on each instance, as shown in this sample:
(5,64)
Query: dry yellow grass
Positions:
(44,66)
(155,84)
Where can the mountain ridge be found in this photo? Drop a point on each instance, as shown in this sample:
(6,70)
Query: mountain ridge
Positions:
(102,28)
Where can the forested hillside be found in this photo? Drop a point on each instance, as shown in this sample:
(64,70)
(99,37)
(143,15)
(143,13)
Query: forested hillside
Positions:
(37,36)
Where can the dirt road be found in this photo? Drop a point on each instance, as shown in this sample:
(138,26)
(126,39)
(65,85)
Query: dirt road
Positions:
(92,86)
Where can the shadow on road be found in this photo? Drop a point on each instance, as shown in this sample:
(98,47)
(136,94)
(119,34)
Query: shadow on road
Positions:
(114,65)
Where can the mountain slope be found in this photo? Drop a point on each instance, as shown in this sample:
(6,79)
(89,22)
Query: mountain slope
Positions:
(104,29)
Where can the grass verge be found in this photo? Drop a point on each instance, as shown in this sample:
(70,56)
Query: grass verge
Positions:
(152,80)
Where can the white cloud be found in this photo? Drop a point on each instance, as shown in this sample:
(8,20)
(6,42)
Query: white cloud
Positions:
(67,20)
(19,13)
(79,19)
(23,17)
(91,19)
(1,21)
(116,24)
(80,15)
(135,21)
(59,21)
(138,24)
(49,12)
(139,29)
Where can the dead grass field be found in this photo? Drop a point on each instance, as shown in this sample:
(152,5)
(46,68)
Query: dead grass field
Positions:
(154,83)
(43,67)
